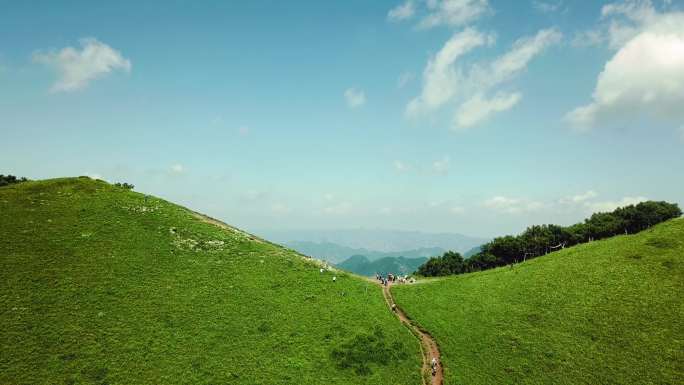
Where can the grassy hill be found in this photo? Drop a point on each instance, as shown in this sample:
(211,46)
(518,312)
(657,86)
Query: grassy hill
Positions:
(103,285)
(606,312)
(360,264)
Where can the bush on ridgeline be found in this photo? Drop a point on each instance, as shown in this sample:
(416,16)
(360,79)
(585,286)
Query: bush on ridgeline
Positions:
(539,240)
(449,263)
(124,185)
(6,180)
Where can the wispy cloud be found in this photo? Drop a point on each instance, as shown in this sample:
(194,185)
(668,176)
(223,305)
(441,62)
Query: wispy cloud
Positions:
(547,6)
(77,68)
(445,81)
(440,77)
(405,78)
(579,198)
(401,166)
(508,205)
(607,206)
(441,166)
(437,167)
(177,168)
(355,97)
(477,109)
(453,13)
(401,12)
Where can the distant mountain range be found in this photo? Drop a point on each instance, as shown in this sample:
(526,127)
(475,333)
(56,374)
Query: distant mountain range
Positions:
(472,252)
(335,253)
(329,244)
(360,264)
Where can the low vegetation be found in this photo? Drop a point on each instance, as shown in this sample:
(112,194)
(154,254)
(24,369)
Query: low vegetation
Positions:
(541,240)
(10,179)
(103,285)
(124,185)
(605,312)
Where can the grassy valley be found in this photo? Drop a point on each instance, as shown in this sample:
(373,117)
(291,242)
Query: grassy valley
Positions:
(604,312)
(104,285)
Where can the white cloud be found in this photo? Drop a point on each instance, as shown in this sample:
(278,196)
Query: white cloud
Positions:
(441,166)
(620,22)
(401,166)
(401,12)
(628,17)
(77,68)
(177,168)
(440,77)
(512,205)
(546,7)
(645,77)
(444,81)
(586,202)
(588,38)
(354,97)
(404,79)
(518,57)
(477,109)
(612,205)
(579,198)
(453,13)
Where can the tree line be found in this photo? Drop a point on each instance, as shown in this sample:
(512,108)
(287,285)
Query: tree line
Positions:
(539,240)
(10,179)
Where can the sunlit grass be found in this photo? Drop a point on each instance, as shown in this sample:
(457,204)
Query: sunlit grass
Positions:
(607,312)
(103,285)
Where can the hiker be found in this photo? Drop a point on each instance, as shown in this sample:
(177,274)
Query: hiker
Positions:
(433,365)
(394,307)
(322,270)
(334,278)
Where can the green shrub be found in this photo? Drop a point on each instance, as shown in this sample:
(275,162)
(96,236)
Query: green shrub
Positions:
(365,349)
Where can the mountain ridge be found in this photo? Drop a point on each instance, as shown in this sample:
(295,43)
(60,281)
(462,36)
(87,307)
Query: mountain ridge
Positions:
(377,239)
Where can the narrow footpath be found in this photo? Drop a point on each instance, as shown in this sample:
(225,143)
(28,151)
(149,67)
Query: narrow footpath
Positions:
(428,346)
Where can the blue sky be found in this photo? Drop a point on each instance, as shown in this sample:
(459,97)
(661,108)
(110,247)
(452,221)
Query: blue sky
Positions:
(471,116)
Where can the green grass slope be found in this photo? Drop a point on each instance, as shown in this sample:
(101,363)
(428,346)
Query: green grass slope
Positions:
(101,285)
(607,312)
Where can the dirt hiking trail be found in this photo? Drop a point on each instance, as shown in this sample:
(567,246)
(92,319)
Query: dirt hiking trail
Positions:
(428,346)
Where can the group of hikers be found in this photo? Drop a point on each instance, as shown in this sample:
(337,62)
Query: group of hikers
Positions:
(385,280)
